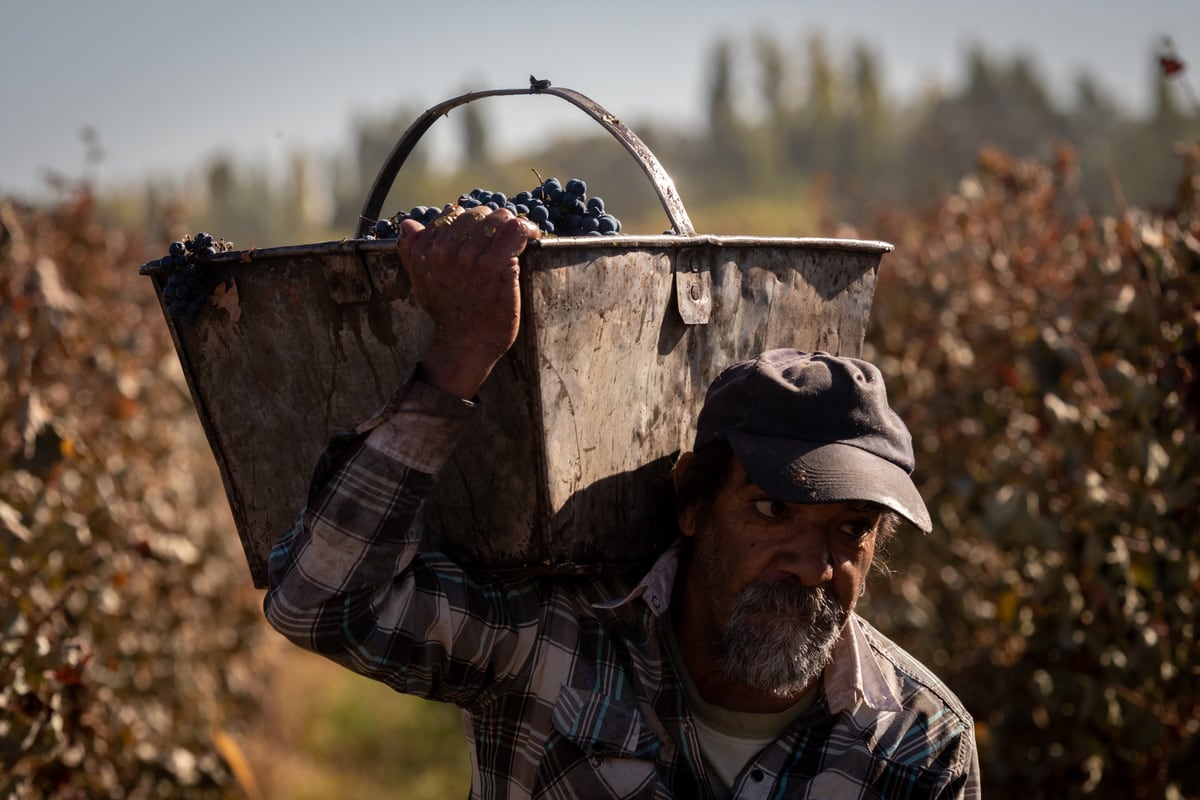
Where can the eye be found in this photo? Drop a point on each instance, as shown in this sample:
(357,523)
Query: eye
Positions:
(859,529)
(771,509)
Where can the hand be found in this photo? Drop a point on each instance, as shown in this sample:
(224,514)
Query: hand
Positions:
(464,268)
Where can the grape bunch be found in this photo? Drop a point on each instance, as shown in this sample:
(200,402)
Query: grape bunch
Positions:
(188,285)
(558,209)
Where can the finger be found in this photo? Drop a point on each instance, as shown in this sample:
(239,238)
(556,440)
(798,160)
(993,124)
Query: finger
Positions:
(426,238)
(470,223)
(450,212)
(450,242)
(478,239)
(488,240)
(419,248)
(512,235)
(407,237)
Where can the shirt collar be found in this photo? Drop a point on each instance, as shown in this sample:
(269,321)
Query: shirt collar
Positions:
(855,675)
(655,587)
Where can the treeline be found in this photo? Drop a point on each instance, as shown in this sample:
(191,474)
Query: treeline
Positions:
(802,127)
(821,118)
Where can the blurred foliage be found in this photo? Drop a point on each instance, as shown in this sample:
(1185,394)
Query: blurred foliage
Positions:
(354,737)
(1048,363)
(127,619)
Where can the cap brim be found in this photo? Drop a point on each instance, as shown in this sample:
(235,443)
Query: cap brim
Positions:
(806,472)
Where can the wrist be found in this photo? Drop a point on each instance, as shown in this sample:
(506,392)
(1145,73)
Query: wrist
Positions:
(457,370)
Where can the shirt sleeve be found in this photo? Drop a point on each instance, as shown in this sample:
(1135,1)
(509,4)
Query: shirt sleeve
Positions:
(350,580)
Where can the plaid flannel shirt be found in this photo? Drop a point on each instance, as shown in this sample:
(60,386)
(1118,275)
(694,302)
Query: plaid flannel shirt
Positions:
(566,685)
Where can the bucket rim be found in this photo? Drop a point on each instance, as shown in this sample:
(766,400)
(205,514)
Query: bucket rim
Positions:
(616,243)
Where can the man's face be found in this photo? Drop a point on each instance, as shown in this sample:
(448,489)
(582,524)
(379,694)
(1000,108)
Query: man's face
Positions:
(778,580)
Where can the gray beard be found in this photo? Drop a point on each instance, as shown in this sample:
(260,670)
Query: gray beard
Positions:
(785,654)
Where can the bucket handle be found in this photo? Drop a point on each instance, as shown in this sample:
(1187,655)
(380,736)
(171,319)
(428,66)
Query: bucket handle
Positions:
(663,184)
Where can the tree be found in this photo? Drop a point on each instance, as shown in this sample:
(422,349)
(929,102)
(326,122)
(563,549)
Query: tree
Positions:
(1006,106)
(722,118)
(769,148)
(243,206)
(373,138)
(815,145)
(867,128)
(725,129)
(475,134)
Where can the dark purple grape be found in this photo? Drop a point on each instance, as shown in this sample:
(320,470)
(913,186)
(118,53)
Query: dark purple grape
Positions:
(188,286)
(553,208)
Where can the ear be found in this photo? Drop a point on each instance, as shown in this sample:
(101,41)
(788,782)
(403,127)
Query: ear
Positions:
(686,517)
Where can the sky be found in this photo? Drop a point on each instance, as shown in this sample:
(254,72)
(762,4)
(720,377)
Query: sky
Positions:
(167,84)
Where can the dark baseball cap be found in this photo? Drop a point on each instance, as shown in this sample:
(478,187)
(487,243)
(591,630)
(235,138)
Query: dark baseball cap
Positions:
(814,428)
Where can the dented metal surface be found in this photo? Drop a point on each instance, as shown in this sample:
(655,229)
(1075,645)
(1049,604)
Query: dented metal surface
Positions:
(578,423)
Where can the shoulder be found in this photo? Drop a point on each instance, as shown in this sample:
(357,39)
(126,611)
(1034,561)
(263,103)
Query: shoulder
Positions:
(915,677)
(932,733)
(917,683)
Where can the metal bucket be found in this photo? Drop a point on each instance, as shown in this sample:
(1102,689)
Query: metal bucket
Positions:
(565,463)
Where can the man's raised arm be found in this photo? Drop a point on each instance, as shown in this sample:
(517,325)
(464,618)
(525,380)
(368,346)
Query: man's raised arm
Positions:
(348,580)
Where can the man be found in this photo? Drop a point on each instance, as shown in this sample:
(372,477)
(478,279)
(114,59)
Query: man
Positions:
(734,668)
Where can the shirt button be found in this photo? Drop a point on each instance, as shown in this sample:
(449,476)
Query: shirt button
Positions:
(756,775)
(654,600)
(687,726)
(595,762)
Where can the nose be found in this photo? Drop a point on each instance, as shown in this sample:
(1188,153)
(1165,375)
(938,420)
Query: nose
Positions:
(815,569)
(809,556)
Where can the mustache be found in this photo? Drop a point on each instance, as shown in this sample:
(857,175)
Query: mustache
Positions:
(792,597)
